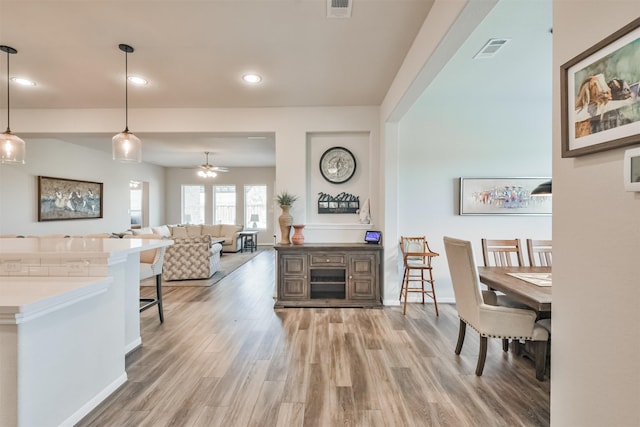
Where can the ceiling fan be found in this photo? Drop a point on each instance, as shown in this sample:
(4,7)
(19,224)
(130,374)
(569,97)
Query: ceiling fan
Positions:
(208,170)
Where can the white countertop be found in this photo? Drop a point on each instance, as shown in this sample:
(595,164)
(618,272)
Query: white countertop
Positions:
(75,246)
(25,298)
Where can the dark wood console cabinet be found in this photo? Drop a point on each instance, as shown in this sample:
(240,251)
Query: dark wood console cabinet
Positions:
(329,275)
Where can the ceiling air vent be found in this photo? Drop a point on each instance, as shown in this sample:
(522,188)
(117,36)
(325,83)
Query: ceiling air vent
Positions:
(490,49)
(339,8)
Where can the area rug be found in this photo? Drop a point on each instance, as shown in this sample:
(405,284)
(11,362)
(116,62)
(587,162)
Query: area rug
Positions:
(228,263)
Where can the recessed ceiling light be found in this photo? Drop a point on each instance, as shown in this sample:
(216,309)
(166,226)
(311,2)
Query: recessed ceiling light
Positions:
(22,81)
(252,78)
(137,80)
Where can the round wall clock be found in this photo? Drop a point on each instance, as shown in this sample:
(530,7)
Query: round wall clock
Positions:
(337,165)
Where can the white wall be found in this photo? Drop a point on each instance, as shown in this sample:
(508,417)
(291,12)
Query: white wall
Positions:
(290,126)
(596,233)
(359,185)
(177,177)
(473,129)
(51,157)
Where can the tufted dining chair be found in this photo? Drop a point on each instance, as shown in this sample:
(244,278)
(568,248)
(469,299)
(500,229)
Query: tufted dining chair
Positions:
(483,315)
(416,257)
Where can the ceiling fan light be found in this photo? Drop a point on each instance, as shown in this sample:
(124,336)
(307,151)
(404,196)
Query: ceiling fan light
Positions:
(207,174)
(12,149)
(127,148)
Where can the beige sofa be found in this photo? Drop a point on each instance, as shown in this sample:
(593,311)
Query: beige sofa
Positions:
(228,232)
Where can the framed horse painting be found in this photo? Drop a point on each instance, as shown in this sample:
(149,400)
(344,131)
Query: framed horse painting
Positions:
(62,199)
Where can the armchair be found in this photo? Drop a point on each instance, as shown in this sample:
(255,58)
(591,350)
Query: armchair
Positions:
(192,258)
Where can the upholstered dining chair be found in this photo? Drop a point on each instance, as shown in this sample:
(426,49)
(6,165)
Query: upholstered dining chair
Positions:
(483,315)
(502,253)
(416,257)
(539,252)
(151,266)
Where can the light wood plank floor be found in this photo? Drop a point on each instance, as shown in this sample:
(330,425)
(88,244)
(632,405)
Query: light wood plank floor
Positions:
(225,357)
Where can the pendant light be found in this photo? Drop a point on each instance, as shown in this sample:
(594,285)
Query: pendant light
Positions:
(127,147)
(543,189)
(12,148)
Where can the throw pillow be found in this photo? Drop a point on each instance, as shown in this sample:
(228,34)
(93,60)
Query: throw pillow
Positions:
(141,231)
(194,230)
(162,230)
(179,232)
(211,230)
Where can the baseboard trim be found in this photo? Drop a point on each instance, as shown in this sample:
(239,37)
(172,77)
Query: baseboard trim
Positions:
(395,302)
(95,401)
(132,345)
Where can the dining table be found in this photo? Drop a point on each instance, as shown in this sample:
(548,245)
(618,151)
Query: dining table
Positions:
(528,285)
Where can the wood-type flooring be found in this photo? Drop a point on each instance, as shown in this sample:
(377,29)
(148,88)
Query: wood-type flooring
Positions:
(225,357)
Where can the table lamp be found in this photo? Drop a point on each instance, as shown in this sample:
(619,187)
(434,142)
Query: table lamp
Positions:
(255,218)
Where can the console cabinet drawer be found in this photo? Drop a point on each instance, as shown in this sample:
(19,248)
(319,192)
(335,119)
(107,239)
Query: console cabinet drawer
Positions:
(327,259)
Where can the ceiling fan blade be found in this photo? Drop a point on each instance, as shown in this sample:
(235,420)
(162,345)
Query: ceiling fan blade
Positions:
(219,169)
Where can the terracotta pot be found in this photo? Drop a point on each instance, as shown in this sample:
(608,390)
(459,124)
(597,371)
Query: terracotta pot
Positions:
(285,220)
(298,237)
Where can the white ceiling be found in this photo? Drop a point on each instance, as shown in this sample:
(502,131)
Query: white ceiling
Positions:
(194,53)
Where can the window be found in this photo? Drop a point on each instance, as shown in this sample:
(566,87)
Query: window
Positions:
(255,206)
(224,204)
(193,204)
(135,203)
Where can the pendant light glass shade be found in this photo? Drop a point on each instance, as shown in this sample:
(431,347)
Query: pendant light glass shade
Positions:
(12,148)
(126,147)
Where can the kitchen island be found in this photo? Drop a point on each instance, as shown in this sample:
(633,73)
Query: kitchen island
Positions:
(85,257)
(69,313)
(60,352)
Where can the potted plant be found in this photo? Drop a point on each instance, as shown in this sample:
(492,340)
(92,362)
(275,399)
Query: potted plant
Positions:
(285,220)
(286,199)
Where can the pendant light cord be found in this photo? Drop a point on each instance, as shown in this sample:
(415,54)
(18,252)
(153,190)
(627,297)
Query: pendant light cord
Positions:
(8,129)
(126,91)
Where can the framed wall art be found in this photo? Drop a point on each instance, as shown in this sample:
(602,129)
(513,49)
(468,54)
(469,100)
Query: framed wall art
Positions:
(62,199)
(600,103)
(504,196)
